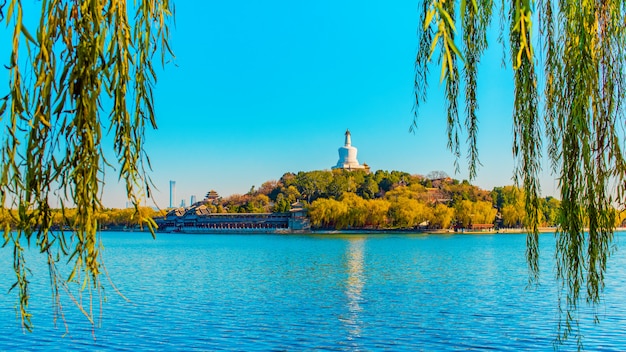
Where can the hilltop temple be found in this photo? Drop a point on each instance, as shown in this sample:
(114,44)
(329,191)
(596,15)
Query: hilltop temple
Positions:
(347,157)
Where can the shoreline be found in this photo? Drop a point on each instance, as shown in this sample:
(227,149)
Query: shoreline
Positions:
(435,232)
(507,231)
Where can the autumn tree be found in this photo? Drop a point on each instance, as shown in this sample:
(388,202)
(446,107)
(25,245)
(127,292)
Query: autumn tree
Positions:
(407,212)
(357,213)
(512,216)
(414,191)
(463,213)
(442,216)
(483,212)
(621,219)
(467,213)
(509,200)
(259,203)
(270,188)
(377,213)
(327,212)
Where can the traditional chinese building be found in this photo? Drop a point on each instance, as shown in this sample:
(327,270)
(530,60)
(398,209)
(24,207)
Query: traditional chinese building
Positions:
(198,219)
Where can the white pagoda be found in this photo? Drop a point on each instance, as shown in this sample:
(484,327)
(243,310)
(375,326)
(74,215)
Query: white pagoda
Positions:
(347,157)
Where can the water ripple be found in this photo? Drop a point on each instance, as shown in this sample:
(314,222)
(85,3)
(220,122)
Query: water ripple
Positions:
(299,293)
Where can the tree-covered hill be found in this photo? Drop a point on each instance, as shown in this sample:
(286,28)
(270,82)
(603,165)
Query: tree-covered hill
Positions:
(342,199)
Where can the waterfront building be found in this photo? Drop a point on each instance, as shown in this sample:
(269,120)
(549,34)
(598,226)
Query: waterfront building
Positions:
(348,156)
(199,219)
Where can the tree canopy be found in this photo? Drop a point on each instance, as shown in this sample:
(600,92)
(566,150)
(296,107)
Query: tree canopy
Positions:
(577,112)
(85,68)
(395,200)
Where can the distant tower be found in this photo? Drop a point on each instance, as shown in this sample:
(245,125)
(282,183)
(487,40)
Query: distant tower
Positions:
(193,200)
(172,193)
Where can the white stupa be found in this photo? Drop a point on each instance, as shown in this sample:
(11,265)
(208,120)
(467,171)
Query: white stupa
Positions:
(347,157)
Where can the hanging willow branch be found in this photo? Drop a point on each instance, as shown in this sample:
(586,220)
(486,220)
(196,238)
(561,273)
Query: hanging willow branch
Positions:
(583,120)
(85,68)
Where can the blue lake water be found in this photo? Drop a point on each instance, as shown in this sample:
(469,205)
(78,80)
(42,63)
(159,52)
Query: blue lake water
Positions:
(353,292)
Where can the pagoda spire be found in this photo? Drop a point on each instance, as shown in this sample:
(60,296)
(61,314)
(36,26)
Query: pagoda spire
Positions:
(348,139)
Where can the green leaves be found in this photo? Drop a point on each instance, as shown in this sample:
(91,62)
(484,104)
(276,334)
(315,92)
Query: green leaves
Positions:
(475,19)
(28,35)
(583,58)
(85,54)
(445,32)
(585,87)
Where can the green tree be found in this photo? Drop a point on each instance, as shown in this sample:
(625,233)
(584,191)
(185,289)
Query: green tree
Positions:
(340,184)
(464,191)
(259,203)
(86,67)
(583,87)
(388,180)
(313,184)
(368,188)
(510,202)
(507,195)
(291,194)
(550,210)
(281,204)
(288,179)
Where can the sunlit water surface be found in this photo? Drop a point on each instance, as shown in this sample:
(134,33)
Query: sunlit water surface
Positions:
(264,292)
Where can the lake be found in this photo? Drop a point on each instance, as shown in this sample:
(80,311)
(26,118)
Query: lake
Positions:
(394,292)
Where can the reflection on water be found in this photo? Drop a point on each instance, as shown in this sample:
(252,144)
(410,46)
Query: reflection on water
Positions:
(354,287)
(333,293)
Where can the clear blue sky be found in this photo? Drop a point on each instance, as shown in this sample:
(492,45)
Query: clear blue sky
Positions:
(260,88)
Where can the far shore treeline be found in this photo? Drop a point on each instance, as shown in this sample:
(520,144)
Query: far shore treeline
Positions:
(341,199)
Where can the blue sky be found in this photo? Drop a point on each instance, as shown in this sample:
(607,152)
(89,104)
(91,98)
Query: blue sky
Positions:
(260,88)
